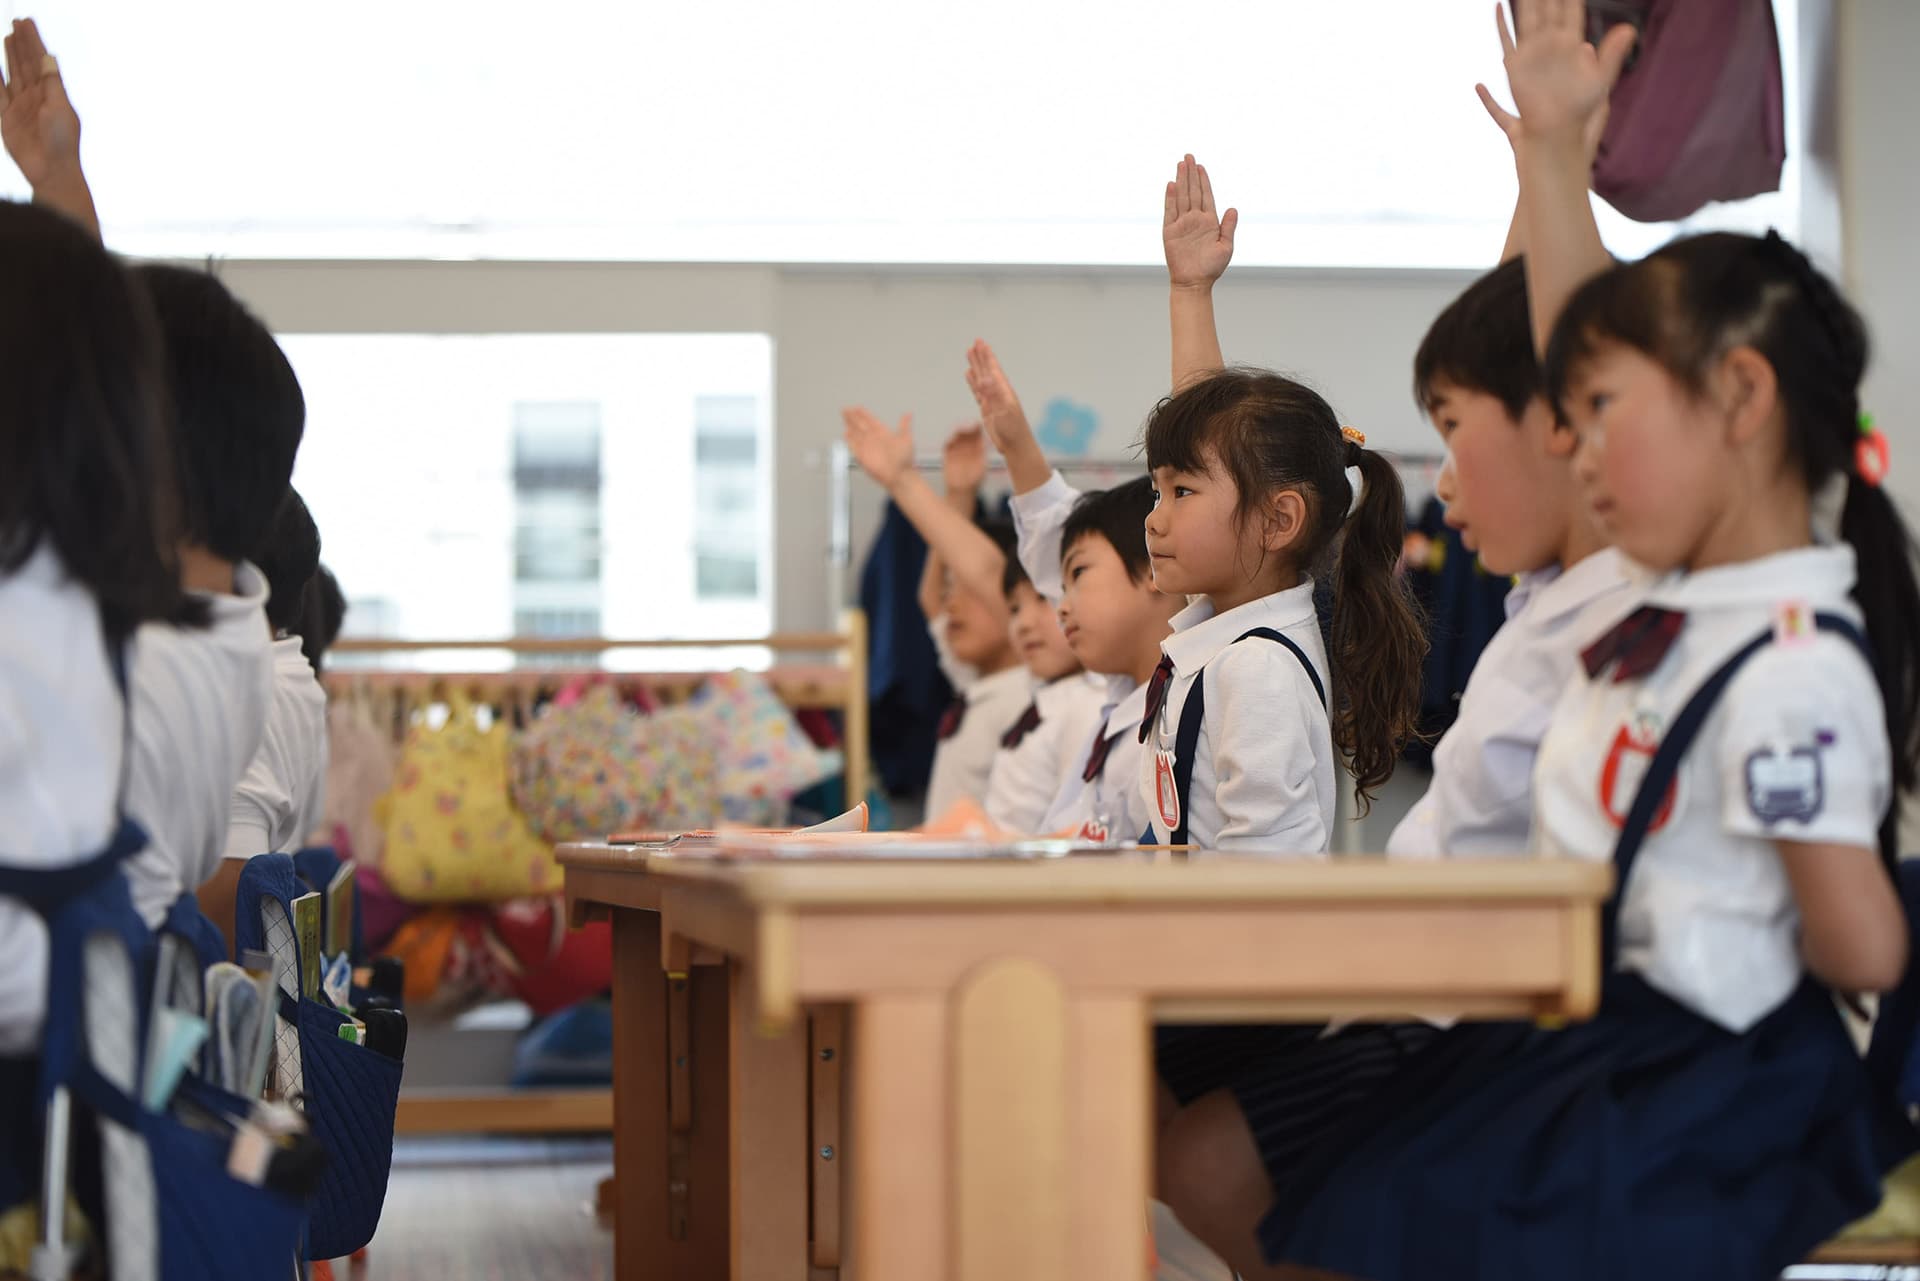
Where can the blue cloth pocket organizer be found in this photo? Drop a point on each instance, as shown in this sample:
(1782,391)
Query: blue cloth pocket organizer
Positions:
(170,1201)
(348,1092)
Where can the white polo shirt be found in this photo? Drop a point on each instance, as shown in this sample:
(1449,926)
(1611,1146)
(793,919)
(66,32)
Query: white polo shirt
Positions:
(1026,777)
(60,746)
(962,763)
(1795,750)
(1480,802)
(199,712)
(1107,807)
(282,795)
(1264,769)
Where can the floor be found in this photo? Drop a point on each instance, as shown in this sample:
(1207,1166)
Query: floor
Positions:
(469,1209)
(506,1209)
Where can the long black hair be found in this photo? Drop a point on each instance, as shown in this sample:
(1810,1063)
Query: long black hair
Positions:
(1687,305)
(86,462)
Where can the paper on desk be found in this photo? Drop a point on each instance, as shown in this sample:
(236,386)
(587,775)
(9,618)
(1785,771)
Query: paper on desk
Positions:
(853,820)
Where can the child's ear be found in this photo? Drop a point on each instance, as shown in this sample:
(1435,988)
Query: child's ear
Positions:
(1286,520)
(1747,390)
(1540,420)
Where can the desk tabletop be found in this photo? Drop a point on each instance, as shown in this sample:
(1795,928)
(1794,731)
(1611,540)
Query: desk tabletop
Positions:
(1131,877)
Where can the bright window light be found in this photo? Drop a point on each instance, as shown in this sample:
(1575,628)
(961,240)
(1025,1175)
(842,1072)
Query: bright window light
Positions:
(1009,131)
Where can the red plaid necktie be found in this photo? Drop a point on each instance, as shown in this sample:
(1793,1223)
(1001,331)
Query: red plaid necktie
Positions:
(1636,645)
(951,718)
(1097,758)
(1029,721)
(1156,695)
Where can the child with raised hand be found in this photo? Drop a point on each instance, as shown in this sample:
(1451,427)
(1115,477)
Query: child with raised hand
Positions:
(1734,748)
(1087,555)
(1509,488)
(199,693)
(1248,723)
(1023,704)
(87,557)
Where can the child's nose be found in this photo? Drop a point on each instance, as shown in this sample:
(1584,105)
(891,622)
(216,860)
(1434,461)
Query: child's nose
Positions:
(1446,486)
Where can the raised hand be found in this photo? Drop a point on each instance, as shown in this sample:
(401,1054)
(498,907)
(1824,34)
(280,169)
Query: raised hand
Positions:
(1005,421)
(963,462)
(884,453)
(1198,243)
(1559,81)
(39,126)
(1000,411)
(1509,124)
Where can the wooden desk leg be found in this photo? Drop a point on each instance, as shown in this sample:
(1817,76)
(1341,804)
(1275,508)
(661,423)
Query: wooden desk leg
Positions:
(768,1129)
(645,1247)
(1110,1128)
(641,1237)
(901,1140)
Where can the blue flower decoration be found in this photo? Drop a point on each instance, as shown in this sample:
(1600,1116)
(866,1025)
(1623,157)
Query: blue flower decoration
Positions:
(1066,428)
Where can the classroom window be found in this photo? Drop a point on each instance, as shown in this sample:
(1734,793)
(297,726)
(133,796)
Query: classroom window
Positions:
(549,485)
(767,131)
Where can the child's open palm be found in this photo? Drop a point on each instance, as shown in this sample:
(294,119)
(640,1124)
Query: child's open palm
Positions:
(1559,80)
(963,463)
(1199,243)
(884,453)
(1000,411)
(39,126)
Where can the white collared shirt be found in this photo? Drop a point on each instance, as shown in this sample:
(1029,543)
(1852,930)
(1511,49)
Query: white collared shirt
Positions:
(1480,802)
(1264,769)
(1027,777)
(1107,808)
(282,795)
(961,763)
(1039,518)
(200,701)
(1795,750)
(60,746)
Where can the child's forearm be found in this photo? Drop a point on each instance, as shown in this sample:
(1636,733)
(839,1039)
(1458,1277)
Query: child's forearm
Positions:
(1563,244)
(1196,340)
(69,194)
(954,542)
(1027,465)
(1516,243)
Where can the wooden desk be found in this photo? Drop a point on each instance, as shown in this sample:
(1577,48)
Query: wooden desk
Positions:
(1001,1012)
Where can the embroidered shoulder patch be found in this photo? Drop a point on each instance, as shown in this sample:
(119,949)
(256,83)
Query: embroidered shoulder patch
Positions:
(1787,785)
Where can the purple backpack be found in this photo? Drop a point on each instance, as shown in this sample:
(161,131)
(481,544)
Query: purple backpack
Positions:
(1697,115)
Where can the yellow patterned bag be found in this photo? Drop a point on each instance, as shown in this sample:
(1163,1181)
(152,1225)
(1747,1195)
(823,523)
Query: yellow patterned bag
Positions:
(452,832)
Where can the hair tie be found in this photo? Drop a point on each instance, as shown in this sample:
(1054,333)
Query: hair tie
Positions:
(1871,455)
(1354,436)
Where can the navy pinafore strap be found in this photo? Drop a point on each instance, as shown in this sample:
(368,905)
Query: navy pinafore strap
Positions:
(1665,766)
(1186,739)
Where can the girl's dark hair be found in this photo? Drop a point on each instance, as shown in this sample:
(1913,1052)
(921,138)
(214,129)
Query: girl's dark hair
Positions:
(1267,434)
(287,558)
(86,465)
(1689,304)
(1118,515)
(237,409)
(325,609)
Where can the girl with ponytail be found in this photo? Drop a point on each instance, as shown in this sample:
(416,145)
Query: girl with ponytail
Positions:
(1251,711)
(1734,748)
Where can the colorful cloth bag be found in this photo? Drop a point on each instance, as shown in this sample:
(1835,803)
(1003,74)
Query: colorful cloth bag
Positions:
(452,832)
(765,757)
(596,766)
